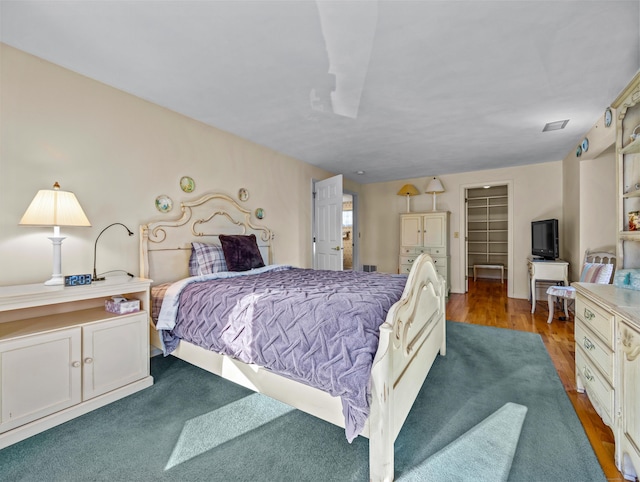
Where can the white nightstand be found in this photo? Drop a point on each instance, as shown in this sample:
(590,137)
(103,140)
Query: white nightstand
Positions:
(546,270)
(62,354)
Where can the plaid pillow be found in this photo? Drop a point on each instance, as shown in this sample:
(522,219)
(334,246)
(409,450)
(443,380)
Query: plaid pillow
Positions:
(193,263)
(590,272)
(209,259)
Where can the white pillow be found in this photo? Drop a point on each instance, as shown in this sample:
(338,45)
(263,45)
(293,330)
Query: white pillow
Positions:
(604,276)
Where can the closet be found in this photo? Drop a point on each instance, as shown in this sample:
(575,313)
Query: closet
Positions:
(487,232)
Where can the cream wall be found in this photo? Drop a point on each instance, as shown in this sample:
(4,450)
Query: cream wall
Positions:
(589,198)
(537,194)
(117,152)
(570,229)
(598,205)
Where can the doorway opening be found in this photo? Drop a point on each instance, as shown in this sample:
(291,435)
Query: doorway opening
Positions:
(347,231)
(487,225)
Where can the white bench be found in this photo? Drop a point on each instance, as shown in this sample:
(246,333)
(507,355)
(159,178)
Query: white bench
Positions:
(488,266)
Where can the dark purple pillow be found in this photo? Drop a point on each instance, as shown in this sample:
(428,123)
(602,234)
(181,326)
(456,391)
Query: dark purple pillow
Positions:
(241,252)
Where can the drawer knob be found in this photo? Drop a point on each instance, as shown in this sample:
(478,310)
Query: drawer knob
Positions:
(587,374)
(588,314)
(588,344)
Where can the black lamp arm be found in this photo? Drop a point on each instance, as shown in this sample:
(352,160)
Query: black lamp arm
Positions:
(95,246)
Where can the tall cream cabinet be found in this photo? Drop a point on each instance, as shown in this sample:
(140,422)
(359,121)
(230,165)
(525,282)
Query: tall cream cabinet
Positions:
(628,448)
(607,334)
(627,108)
(426,233)
(62,354)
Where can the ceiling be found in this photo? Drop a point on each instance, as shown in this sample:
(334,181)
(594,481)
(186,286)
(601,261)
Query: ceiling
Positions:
(397,89)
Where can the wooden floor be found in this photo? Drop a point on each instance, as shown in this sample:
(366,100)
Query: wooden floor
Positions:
(487,303)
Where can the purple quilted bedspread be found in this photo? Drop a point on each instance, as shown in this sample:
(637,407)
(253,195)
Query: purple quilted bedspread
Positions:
(317,327)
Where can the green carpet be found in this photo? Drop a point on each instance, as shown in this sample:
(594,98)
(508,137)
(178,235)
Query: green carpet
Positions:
(492,409)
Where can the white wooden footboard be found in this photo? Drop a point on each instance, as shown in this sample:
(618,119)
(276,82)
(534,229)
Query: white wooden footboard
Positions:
(410,339)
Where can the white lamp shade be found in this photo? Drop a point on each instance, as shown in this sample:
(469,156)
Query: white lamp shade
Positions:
(52,207)
(434,186)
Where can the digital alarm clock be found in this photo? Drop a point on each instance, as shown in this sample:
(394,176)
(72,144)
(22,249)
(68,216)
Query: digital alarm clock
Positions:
(77,280)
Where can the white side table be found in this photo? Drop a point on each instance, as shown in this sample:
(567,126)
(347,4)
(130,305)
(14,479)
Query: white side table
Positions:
(546,270)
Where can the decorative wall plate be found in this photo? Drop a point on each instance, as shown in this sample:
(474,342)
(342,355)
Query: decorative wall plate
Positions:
(187,184)
(243,194)
(259,213)
(585,144)
(608,117)
(164,204)
(578,151)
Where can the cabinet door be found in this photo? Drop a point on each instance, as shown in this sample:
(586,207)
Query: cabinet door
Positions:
(115,353)
(630,377)
(39,375)
(411,231)
(434,232)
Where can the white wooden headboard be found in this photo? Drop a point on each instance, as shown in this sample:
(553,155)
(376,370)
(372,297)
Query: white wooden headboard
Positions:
(165,246)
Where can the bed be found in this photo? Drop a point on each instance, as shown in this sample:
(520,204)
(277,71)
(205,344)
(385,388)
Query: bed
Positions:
(409,338)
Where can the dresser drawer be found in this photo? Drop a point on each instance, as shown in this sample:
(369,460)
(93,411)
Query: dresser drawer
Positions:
(409,250)
(440,263)
(408,259)
(599,354)
(596,318)
(599,391)
(413,250)
(442,271)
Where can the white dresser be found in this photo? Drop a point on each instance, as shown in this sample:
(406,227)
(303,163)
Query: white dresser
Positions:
(607,335)
(62,354)
(425,233)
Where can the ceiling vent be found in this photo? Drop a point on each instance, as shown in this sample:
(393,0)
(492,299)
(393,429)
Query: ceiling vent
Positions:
(555,126)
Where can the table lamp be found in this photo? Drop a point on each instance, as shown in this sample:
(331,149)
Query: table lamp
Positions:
(408,190)
(434,187)
(53,207)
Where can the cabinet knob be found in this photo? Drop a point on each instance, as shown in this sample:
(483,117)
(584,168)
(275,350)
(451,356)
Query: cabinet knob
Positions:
(88,360)
(75,364)
(587,374)
(588,344)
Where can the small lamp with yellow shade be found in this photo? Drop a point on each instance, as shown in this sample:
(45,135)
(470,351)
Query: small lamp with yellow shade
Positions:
(408,190)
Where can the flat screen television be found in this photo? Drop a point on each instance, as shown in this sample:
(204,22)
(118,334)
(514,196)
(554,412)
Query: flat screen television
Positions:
(544,239)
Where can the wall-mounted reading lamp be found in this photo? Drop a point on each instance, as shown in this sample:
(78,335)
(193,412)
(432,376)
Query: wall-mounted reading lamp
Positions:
(95,274)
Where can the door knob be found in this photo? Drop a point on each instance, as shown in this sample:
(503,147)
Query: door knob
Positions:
(337,248)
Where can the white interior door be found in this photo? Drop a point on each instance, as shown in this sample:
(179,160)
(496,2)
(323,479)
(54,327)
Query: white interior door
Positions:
(328,224)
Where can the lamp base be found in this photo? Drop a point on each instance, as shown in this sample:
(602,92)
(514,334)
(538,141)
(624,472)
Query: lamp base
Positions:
(56,280)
